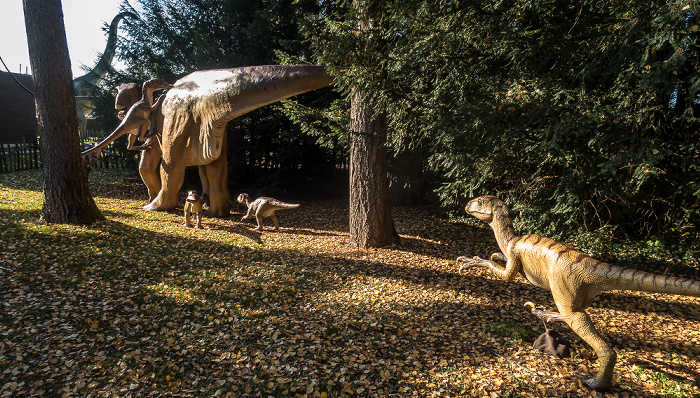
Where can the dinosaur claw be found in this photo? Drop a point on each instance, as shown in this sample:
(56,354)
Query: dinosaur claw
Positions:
(467,262)
(592,383)
(529,304)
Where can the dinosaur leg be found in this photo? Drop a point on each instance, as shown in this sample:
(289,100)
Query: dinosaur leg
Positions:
(148,167)
(172,177)
(260,222)
(142,128)
(582,325)
(217,180)
(203,178)
(187,218)
(275,221)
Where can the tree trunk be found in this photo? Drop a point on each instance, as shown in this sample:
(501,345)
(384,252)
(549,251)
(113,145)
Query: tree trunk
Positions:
(66,195)
(370,220)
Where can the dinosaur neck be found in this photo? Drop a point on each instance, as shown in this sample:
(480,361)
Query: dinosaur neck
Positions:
(82,83)
(221,95)
(502,226)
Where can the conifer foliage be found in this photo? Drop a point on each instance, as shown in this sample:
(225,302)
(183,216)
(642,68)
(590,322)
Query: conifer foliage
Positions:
(579,114)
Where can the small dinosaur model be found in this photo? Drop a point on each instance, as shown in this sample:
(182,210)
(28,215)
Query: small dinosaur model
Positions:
(193,208)
(141,111)
(263,207)
(574,279)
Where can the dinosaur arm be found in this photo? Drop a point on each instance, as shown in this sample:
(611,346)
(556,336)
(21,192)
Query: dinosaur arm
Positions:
(249,214)
(508,273)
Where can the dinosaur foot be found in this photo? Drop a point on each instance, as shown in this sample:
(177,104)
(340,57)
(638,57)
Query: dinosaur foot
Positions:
(545,316)
(468,262)
(592,383)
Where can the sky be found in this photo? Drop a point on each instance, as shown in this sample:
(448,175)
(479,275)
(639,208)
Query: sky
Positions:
(83,20)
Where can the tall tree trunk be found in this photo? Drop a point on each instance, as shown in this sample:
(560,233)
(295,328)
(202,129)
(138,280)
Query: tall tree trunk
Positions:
(66,195)
(370,219)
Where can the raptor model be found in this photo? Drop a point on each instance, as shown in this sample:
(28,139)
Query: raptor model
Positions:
(574,278)
(263,207)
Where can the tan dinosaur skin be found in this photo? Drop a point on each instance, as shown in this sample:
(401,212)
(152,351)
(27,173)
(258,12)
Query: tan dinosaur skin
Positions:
(195,113)
(263,207)
(574,278)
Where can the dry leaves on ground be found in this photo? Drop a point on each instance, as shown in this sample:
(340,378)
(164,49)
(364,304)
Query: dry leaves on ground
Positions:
(140,306)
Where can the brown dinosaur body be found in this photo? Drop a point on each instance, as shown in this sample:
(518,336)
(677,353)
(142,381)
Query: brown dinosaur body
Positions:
(263,207)
(574,278)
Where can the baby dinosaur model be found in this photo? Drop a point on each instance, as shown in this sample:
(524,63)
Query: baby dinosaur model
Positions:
(263,207)
(193,208)
(574,278)
(141,111)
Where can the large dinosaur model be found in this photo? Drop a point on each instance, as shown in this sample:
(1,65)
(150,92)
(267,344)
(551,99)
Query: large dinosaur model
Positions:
(136,122)
(263,207)
(574,278)
(191,125)
(82,85)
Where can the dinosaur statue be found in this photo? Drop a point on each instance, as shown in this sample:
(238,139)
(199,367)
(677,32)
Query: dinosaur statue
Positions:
(574,279)
(193,208)
(263,207)
(143,109)
(191,126)
(82,85)
(136,122)
(128,94)
(18,119)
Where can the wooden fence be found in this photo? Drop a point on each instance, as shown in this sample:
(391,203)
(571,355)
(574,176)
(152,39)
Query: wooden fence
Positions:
(16,157)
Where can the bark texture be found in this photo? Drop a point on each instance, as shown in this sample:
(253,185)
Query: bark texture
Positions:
(67,198)
(371,224)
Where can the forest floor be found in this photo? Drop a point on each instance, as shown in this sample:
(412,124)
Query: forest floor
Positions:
(139,306)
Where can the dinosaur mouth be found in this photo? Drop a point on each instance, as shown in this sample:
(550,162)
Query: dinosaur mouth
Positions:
(122,114)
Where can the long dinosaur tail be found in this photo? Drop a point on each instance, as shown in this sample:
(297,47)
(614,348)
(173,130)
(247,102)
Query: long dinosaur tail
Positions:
(629,279)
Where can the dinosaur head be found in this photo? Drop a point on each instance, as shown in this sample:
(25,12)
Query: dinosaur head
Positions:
(244,198)
(128,94)
(155,85)
(484,207)
(192,196)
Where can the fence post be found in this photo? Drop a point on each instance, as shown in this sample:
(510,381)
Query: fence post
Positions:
(35,152)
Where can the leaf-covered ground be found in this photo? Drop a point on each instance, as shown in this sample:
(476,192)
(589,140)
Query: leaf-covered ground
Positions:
(140,306)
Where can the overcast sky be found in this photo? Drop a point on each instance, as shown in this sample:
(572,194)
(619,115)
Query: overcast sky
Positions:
(83,19)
